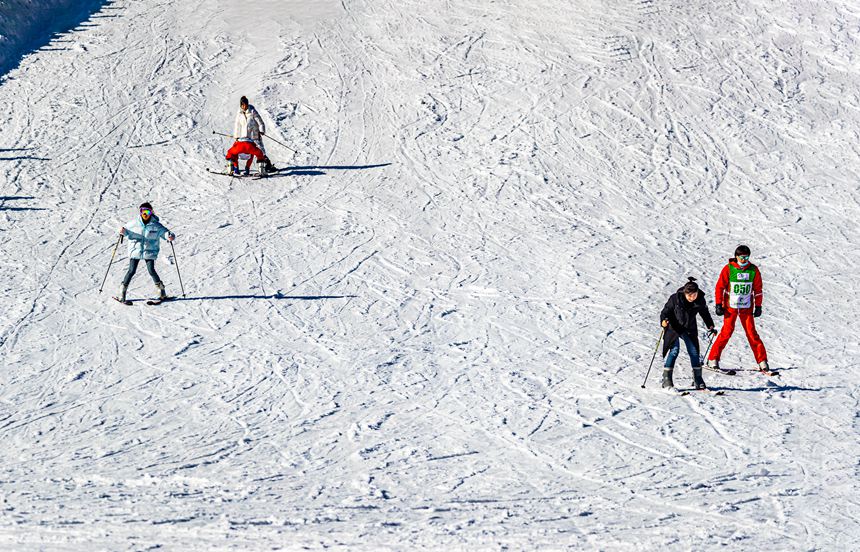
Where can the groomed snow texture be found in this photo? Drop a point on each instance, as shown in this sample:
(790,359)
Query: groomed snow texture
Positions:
(430,331)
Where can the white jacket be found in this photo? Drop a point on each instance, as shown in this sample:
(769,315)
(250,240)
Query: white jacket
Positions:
(249,124)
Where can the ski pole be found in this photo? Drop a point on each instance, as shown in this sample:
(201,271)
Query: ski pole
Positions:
(261,134)
(119,241)
(659,339)
(175,260)
(277,142)
(710,342)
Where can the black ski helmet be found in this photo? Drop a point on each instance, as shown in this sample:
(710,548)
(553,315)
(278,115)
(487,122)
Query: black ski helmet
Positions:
(243,101)
(742,250)
(145,205)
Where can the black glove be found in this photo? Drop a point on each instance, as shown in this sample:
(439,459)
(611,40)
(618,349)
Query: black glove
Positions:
(718,310)
(757,312)
(712,331)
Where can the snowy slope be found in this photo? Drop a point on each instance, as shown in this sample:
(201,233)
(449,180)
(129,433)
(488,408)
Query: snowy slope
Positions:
(29,24)
(432,330)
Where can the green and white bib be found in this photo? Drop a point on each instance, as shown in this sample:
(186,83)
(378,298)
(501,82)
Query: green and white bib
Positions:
(741,286)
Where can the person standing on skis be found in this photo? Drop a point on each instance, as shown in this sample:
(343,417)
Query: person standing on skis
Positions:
(739,296)
(678,317)
(143,235)
(248,131)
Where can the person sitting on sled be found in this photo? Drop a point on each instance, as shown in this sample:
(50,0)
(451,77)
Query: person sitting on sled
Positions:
(248,131)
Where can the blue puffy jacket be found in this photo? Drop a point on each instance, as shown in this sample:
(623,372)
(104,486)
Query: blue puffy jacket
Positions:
(143,239)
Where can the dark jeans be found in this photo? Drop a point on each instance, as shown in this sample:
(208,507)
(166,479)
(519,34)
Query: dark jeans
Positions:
(692,350)
(132,268)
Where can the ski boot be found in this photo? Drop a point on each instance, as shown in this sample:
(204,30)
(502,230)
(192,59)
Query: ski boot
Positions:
(764,368)
(698,382)
(121,297)
(667,379)
(268,164)
(234,169)
(162,295)
(714,364)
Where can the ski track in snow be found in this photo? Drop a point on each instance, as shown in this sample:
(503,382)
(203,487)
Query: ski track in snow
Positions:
(431,330)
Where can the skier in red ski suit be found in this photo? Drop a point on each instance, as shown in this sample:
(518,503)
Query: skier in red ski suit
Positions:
(738,295)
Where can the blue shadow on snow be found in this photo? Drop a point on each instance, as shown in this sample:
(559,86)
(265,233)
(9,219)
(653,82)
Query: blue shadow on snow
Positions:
(274,296)
(34,34)
(4,199)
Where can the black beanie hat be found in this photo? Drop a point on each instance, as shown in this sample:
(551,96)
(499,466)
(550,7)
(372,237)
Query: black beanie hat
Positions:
(742,250)
(243,101)
(145,205)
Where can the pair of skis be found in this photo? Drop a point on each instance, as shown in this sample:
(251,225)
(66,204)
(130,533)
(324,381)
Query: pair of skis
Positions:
(148,301)
(724,372)
(252,176)
(685,392)
(729,372)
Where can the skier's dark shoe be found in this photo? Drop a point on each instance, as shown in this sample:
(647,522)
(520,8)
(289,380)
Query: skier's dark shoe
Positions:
(123,301)
(667,379)
(234,170)
(162,295)
(698,382)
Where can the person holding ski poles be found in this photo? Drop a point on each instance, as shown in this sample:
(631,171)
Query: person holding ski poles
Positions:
(248,131)
(739,296)
(143,235)
(678,317)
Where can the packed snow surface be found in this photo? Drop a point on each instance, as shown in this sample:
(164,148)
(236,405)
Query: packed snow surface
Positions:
(430,331)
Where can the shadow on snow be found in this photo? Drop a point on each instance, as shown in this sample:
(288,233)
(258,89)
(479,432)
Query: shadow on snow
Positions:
(25,158)
(31,34)
(274,296)
(319,170)
(4,199)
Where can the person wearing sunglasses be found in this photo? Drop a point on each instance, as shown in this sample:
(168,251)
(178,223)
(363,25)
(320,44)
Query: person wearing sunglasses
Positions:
(679,318)
(144,234)
(738,297)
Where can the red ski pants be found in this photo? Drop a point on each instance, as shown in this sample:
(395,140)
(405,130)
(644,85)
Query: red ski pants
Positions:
(242,146)
(748,322)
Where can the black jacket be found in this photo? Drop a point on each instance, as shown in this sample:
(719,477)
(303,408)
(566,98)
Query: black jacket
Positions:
(681,315)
